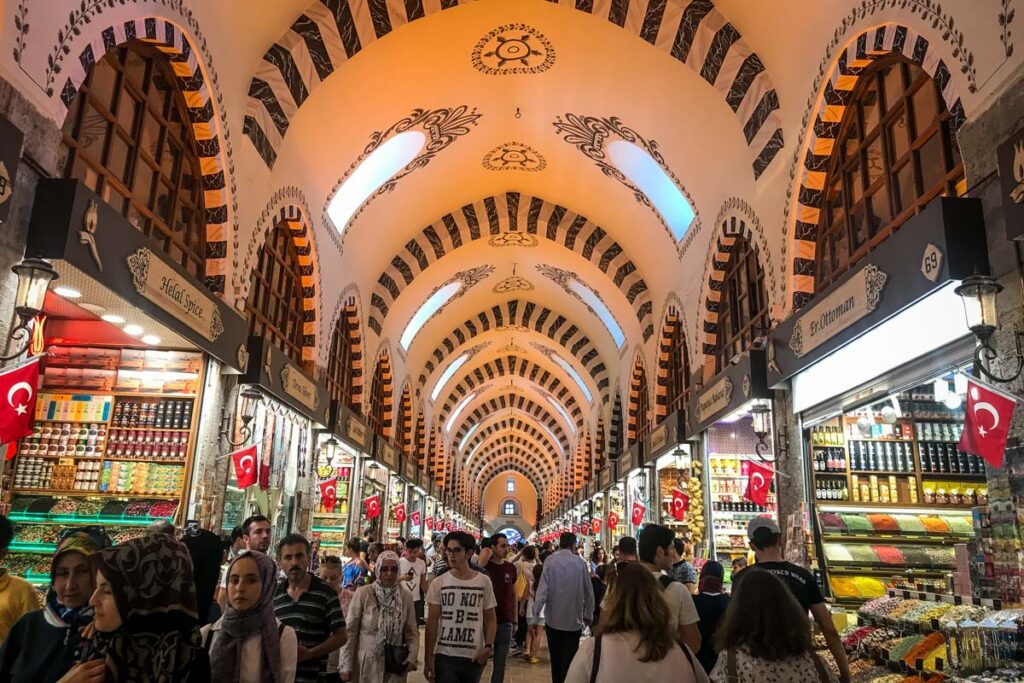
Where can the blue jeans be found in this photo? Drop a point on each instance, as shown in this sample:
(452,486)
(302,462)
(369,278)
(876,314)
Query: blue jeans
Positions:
(502,641)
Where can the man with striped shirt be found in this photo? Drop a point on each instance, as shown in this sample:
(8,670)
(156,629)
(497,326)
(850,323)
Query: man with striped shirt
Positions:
(310,606)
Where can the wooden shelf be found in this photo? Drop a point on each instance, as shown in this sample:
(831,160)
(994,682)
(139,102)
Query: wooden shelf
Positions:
(153,429)
(165,461)
(95,493)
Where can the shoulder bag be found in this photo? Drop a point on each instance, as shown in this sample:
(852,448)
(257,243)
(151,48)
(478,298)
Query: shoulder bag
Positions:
(733,676)
(395,656)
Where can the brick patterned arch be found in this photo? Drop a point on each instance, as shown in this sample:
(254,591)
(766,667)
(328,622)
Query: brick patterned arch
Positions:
(673,324)
(639,400)
(508,462)
(498,405)
(860,53)
(527,457)
(382,393)
(507,213)
(404,422)
(216,165)
(522,424)
(600,442)
(693,32)
(512,366)
(539,451)
(534,316)
(348,320)
(617,435)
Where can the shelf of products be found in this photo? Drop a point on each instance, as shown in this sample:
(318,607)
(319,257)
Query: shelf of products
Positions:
(682,473)
(730,511)
(110,445)
(331,527)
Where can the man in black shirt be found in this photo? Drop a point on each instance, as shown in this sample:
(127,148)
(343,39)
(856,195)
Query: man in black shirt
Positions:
(766,542)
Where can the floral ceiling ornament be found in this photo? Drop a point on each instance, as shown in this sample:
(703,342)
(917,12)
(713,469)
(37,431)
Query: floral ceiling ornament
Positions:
(513,238)
(513,49)
(513,283)
(514,156)
(590,135)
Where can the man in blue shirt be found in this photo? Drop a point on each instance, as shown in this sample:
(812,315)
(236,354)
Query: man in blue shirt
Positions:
(565,598)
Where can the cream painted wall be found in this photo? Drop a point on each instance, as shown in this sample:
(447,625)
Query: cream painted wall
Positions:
(525,496)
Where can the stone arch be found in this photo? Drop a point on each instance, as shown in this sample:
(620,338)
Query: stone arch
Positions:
(618,441)
(404,419)
(639,398)
(524,432)
(529,218)
(348,311)
(809,176)
(512,402)
(536,451)
(385,402)
(509,453)
(510,463)
(328,34)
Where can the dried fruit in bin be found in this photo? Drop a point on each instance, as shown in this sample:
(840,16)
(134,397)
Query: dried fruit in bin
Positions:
(21,563)
(139,508)
(89,507)
(37,533)
(127,535)
(65,507)
(163,509)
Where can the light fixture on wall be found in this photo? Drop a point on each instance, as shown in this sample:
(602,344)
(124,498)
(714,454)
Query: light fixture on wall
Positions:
(34,278)
(978,293)
(248,400)
(761,417)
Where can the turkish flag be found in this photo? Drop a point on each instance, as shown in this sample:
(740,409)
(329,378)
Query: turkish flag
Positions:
(759,482)
(987,422)
(680,504)
(450,526)
(399,512)
(637,514)
(415,517)
(574,529)
(595,526)
(245,466)
(18,403)
(328,493)
(430,523)
(372,506)
(613,520)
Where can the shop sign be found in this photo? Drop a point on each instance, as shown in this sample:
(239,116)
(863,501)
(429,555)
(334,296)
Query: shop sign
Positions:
(73,227)
(409,468)
(300,387)
(11,139)
(942,244)
(350,428)
(743,380)
(160,283)
(386,454)
(1010,156)
(271,369)
(844,306)
(605,478)
(664,437)
(715,399)
(627,461)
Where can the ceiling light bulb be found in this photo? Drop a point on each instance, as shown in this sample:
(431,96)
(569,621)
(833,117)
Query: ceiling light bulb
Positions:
(151,339)
(67,292)
(111,318)
(133,330)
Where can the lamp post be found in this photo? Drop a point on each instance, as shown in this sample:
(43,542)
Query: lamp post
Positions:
(760,414)
(248,400)
(978,294)
(34,278)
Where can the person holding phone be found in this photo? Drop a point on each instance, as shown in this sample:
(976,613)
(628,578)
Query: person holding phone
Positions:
(412,569)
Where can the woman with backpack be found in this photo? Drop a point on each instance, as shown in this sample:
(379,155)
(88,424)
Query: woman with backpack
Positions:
(248,644)
(634,640)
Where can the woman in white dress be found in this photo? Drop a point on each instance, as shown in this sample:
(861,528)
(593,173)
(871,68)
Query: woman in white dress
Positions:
(381,613)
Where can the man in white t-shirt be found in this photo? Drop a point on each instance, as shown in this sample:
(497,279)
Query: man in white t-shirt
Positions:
(460,618)
(412,571)
(653,549)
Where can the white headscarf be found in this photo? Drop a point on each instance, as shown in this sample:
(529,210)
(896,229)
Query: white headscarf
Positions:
(391,607)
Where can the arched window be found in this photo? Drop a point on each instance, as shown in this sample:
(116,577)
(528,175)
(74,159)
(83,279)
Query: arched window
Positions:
(404,421)
(341,362)
(509,508)
(743,308)
(380,398)
(601,453)
(678,389)
(618,433)
(510,485)
(895,152)
(275,298)
(129,139)
(641,403)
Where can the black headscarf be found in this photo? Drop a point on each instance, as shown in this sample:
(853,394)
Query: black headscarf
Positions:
(206,551)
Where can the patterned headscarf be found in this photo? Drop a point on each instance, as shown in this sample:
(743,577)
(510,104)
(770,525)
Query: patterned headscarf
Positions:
(391,607)
(238,625)
(159,641)
(84,542)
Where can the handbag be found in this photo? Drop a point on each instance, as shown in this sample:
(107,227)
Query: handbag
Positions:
(395,656)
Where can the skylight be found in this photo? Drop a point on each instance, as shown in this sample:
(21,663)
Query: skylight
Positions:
(554,439)
(565,365)
(473,452)
(560,409)
(647,174)
(458,409)
(431,306)
(595,303)
(465,439)
(447,375)
(374,171)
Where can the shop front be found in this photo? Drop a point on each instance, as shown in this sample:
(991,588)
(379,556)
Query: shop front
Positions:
(291,406)
(431,510)
(678,481)
(393,501)
(134,348)
(415,495)
(633,501)
(371,506)
(729,422)
(876,367)
(602,504)
(339,452)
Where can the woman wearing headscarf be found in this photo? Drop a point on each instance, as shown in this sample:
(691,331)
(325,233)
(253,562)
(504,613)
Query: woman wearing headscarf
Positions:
(381,613)
(206,550)
(145,614)
(248,644)
(41,647)
(711,604)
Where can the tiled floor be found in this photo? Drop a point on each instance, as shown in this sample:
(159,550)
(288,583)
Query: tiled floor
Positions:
(517,670)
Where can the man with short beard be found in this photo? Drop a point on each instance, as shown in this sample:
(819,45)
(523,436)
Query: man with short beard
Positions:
(310,606)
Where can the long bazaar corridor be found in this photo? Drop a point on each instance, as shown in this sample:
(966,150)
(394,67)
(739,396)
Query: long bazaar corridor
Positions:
(511,340)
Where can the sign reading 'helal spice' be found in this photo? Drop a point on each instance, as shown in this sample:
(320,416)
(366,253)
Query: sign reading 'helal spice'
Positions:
(847,304)
(154,279)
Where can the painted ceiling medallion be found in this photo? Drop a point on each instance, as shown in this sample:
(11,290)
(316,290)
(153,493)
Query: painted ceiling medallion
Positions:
(513,49)
(513,239)
(514,283)
(514,156)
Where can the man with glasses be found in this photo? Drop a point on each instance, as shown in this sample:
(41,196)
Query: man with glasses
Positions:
(460,618)
(503,581)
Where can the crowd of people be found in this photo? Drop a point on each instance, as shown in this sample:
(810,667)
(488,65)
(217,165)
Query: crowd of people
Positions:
(189,606)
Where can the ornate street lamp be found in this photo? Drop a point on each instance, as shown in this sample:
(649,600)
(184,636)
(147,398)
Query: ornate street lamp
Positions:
(248,400)
(978,293)
(34,278)
(761,417)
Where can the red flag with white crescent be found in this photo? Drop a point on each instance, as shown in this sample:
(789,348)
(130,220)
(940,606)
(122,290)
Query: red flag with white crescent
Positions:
(429,522)
(613,519)
(595,526)
(18,388)
(759,483)
(637,514)
(399,512)
(245,466)
(415,517)
(450,525)
(680,504)
(372,506)
(329,493)
(986,422)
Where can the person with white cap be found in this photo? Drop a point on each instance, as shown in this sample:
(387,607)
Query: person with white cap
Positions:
(766,541)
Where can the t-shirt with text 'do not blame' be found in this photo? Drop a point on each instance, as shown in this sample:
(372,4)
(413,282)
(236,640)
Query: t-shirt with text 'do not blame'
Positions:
(462,604)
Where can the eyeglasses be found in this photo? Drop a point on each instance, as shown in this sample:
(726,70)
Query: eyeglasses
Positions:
(454,551)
